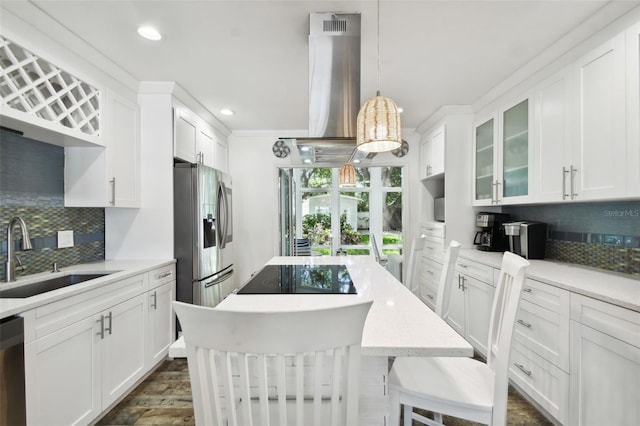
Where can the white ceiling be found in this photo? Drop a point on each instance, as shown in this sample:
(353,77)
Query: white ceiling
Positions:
(251,56)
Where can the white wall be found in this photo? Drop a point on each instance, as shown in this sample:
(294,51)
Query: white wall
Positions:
(254,170)
(147,233)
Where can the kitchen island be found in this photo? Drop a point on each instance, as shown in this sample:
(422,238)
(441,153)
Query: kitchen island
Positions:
(398,324)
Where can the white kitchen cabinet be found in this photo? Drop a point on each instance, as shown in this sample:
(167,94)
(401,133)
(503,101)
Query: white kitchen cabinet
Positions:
(160,320)
(432,152)
(633,110)
(605,363)
(553,116)
(185,129)
(85,352)
(502,155)
(540,355)
(122,336)
(62,387)
(109,176)
(221,155)
(599,167)
(431,263)
(470,302)
(205,147)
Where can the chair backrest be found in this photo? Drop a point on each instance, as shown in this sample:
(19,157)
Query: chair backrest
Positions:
(302,247)
(412,281)
(274,368)
(501,324)
(446,279)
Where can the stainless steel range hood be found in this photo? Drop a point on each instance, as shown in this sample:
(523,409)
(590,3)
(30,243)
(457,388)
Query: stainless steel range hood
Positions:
(334,90)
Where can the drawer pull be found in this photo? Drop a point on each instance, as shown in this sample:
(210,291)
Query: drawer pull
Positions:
(524,370)
(165,275)
(110,317)
(154,297)
(430,272)
(526,290)
(526,324)
(430,296)
(462,265)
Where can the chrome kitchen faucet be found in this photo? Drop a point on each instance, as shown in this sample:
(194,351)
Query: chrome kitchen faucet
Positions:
(10,267)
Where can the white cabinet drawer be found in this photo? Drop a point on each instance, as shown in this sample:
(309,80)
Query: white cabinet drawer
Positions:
(163,275)
(431,271)
(544,332)
(434,249)
(56,315)
(621,323)
(553,298)
(541,380)
(428,294)
(476,270)
(433,229)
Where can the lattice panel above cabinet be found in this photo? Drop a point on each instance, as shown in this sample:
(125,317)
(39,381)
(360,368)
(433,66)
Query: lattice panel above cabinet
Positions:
(36,87)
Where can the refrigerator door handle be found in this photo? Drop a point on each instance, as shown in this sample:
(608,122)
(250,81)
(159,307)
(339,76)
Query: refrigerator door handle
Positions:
(220,279)
(219,209)
(226,213)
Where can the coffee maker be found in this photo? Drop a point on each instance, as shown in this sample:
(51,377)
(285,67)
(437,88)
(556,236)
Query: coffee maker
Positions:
(491,235)
(527,238)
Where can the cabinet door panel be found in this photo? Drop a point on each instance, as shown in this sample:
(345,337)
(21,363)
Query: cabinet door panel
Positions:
(605,378)
(485,159)
(553,141)
(161,320)
(123,357)
(62,387)
(479,298)
(185,138)
(600,141)
(457,306)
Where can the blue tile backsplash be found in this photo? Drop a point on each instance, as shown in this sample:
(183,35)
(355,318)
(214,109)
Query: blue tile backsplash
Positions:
(32,186)
(604,235)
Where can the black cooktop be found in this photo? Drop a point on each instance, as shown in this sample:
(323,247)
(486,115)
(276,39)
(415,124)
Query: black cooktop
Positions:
(300,279)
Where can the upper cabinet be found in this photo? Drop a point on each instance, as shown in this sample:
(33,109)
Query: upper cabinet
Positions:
(502,155)
(432,154)
(575,138)
(195,141)
(598,166)
(110,176)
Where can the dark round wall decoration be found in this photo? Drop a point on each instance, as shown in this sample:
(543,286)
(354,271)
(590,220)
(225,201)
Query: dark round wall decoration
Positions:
(402,151)
(280,149)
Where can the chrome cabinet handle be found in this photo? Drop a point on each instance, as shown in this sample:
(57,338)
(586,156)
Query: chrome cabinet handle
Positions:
(101,332)
(430,296)
(564,183)
(526,324)
(110,317)
(113,191)
(154,297)
(573,174)
(498,183)
(521,368)
(462,265)
(526,290)
(430,272)
(166,274)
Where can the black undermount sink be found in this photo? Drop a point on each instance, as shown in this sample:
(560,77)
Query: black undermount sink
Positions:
(40,287)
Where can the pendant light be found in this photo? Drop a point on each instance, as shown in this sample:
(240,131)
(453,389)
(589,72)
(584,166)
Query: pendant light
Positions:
(378,125)
(347,175)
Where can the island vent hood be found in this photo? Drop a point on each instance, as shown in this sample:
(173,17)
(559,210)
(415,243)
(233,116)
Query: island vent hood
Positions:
(334,91)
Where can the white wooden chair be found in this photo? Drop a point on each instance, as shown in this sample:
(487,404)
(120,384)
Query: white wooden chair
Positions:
(446,279)
(464,387)
(274,368)
(412,281)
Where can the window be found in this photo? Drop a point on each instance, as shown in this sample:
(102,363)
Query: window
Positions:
(345,218)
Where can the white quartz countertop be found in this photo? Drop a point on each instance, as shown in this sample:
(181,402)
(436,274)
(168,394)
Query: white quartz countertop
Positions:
(398,324)
(121,269)
(611,287)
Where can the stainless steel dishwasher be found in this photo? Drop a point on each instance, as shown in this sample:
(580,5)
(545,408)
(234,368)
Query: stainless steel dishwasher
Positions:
(12,397)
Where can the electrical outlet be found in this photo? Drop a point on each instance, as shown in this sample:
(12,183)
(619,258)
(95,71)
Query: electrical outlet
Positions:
(65,239)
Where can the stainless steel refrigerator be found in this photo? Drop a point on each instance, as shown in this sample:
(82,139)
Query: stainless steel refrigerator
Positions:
(203,233)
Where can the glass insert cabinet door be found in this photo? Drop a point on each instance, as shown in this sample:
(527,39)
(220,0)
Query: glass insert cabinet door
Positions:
(484,161)
(515,149)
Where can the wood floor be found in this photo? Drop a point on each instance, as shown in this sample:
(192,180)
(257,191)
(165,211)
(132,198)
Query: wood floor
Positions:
(165,399)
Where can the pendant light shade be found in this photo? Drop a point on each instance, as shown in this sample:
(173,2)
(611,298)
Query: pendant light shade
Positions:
(347,175)
(378,125)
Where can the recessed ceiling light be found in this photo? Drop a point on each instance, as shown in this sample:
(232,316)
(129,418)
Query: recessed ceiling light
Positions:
(355,160)
(149,33)
(226,111)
